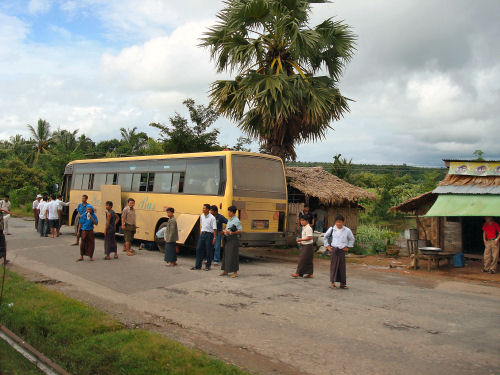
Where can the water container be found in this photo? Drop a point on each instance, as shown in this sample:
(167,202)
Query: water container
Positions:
(459,260)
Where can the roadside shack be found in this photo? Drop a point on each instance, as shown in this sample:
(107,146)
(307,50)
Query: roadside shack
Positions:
(451,216)
(315,187)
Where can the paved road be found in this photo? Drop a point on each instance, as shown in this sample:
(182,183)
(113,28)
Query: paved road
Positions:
(386,323)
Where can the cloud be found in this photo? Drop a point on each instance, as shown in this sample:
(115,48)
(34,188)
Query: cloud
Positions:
(39,6)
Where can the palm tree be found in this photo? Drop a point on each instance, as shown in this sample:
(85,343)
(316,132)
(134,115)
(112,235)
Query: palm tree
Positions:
(42,138)
(132,140)
(276,96)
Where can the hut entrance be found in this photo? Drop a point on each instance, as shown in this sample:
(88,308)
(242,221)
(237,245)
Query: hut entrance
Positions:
(472,234)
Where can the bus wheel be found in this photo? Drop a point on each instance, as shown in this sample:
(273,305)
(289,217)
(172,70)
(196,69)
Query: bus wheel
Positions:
(160,242)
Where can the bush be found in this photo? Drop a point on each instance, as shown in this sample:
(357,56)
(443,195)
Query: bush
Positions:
(371,239)
(23,196)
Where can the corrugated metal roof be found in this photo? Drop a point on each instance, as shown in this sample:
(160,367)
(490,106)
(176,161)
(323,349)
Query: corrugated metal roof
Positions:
(467,189)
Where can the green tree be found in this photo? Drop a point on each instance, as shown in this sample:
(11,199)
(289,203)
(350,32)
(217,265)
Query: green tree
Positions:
(277,96)
(42,139)
(132,141)
(341,167)
(479,155)
(180,136)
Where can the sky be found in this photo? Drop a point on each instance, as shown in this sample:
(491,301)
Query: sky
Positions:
(425,79)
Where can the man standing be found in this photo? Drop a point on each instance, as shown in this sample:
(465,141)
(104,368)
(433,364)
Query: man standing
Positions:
(82,211)
(207,238)
(338,240)
(129,226)
(87,246)
(305,213)
(43,221)
(61,206)
(53,215)
(491,236)
(36,202)
(5,206)
(320,218)
(220,219)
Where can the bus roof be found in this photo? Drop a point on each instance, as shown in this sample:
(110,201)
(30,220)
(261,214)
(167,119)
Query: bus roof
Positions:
(173,156)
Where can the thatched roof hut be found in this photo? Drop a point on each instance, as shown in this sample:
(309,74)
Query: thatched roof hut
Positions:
(418,205)
(327,188)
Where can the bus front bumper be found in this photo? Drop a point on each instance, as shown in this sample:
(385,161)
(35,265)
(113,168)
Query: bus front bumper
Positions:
(262,239)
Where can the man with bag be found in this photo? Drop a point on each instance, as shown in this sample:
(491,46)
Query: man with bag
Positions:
(129,226)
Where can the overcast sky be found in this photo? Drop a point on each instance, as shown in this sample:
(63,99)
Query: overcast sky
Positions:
(425,78)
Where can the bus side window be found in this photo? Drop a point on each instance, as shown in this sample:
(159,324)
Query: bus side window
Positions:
(115,178)
(151,181)
(99,179)
(143,182)
(125,181)
(136,180)
(77,182)
(91,181)
(85,181)
(163,182)
(175,182)
(111,179)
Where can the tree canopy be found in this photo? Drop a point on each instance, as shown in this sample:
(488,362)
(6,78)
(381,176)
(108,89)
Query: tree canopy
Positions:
(277,95)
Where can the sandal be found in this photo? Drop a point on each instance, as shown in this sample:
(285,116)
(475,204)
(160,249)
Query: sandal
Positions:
(311,276)
(295,275)
(79,260)
(333,286)
(344,287)
(223,274)
(234,276)
(116,256)
(107,258)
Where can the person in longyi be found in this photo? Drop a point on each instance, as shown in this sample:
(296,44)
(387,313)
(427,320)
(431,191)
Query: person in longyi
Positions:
(338,240)
(231,259)
(110,231)
(171,237)
(87,238)
(305,268)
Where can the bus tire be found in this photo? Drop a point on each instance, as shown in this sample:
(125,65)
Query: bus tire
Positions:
(160,242)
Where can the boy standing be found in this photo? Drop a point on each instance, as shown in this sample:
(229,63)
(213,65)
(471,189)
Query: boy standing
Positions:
(43,221)
(129,225)
(491,236)
(219,219)
(338,240)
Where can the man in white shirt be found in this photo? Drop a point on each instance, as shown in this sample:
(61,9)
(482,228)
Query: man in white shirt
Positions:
(5,208)
(338,240)
(36,202)
(61,206)
(53,215)
(206,242)
(43,223)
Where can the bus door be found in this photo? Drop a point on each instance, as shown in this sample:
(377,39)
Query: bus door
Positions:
(65,190)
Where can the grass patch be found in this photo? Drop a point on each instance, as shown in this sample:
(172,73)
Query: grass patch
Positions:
(13,363)
(86,341)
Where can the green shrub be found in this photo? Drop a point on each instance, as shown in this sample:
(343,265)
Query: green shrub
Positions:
(371,239)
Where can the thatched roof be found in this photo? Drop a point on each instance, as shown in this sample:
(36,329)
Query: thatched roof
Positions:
(461,180)
(327,188)
(417,204)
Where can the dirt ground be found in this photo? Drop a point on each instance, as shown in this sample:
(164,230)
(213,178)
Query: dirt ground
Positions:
(391,320)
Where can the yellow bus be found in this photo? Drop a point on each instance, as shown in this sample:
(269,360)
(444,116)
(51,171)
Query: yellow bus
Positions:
(254,183)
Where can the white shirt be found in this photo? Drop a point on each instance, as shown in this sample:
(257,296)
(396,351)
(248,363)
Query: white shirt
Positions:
(43,209)
(35,204)
(340,238)
(208,223)
(53,208)
(307,232)
(62,204)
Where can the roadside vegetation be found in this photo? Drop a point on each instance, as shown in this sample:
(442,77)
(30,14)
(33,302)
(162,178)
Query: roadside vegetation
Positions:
(13,363)
(86,341)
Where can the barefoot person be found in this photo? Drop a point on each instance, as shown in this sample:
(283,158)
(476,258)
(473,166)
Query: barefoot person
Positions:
(87,244)
(171,237)
(109,232)
(305,267)
(338,239)
(491,237)
(129,226)
(81,212)
(231,259)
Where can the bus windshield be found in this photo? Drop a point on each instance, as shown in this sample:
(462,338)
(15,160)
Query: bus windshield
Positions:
(258,177)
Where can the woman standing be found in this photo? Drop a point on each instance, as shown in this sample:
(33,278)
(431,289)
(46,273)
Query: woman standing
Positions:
(230,261)
(109,232)
(171,237)
(305,266)
(87,243)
